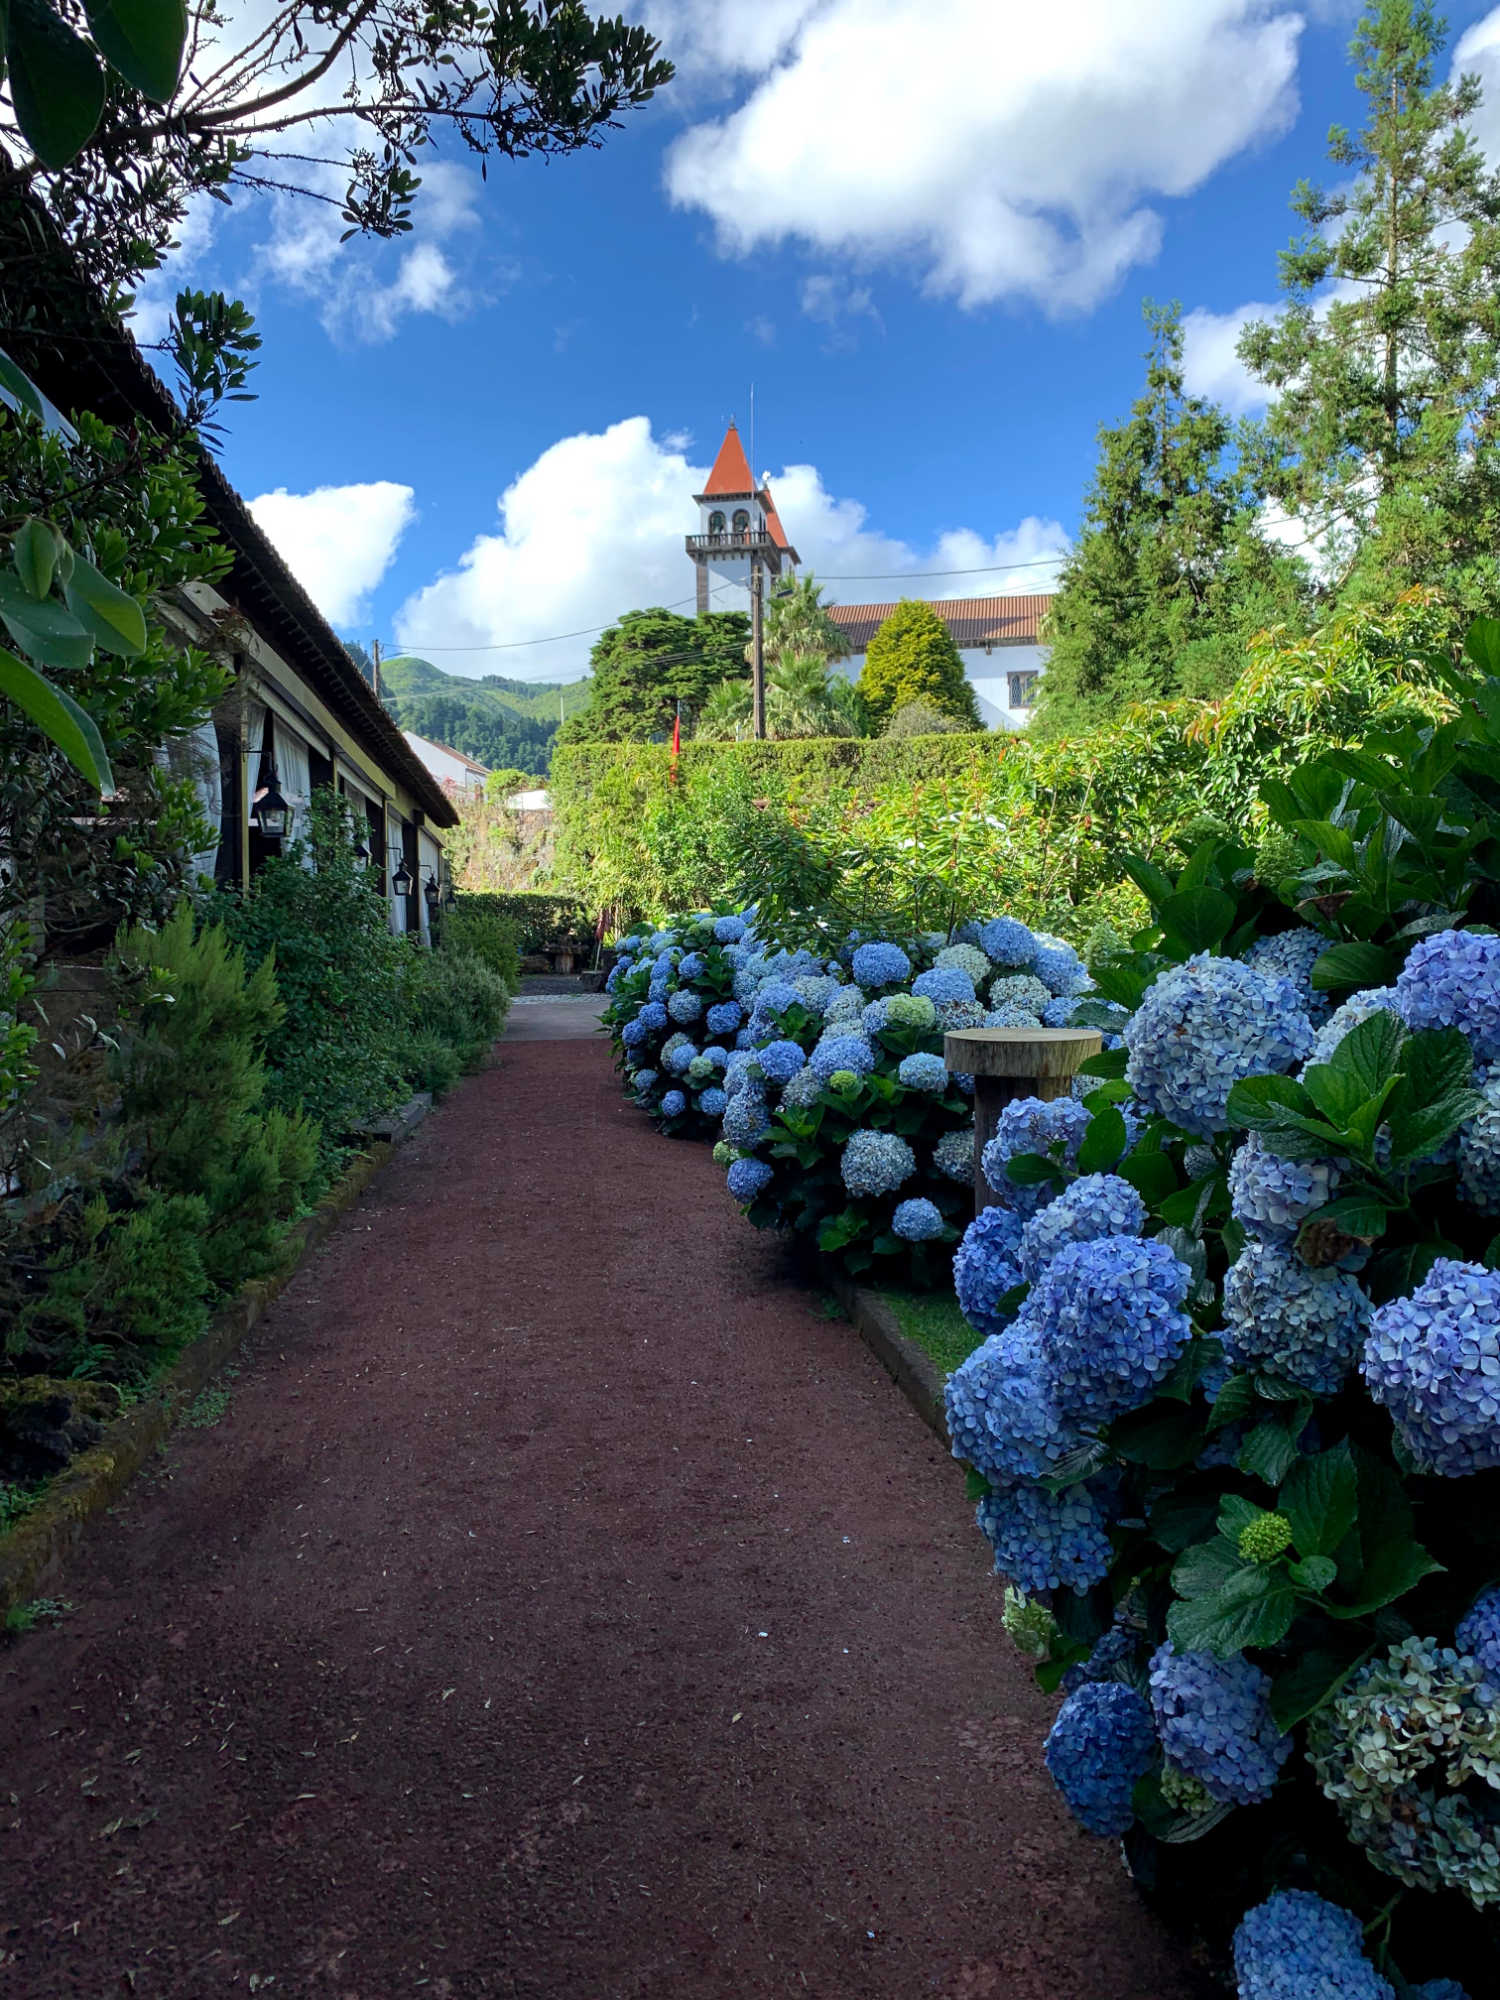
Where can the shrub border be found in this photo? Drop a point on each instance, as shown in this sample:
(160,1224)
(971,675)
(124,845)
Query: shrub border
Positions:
(34,1551)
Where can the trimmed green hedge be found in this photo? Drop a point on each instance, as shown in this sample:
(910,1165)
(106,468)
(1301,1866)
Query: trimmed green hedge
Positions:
(476,924)
(541,922)
(984,820)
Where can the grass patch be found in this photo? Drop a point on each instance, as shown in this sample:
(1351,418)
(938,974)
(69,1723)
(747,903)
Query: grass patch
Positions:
(934,1322)
(26,1617)
(206,1409)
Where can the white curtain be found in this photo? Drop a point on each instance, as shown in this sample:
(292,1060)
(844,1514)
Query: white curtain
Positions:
(394,850)
(196,758)
(295,773)
(431,856)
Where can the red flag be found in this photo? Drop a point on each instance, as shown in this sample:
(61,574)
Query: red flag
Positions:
(676,745)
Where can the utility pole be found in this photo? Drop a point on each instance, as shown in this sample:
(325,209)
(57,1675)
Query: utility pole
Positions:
(375,665)
(757,654)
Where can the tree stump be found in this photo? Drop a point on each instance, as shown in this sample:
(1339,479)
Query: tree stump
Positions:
(1007,1063)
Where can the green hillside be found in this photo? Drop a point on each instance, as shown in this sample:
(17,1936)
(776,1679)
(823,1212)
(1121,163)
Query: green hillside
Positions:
(504,723)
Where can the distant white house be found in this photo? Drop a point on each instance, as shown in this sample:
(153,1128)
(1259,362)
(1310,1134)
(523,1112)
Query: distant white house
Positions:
(535,801)
(449,767)
(998,640)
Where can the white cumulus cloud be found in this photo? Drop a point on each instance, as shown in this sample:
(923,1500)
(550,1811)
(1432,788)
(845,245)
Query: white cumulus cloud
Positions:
(338,541)
(1001,151)
(594,527)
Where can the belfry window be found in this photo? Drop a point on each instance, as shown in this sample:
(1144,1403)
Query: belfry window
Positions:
(716,523)
(741,521)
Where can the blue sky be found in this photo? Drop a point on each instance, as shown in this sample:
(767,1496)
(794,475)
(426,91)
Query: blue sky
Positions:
(923,231)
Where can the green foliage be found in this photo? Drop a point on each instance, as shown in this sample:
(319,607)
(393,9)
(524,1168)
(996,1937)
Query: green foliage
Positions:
(497,722)
(543,922)
(926,831)
(1382,433)
(920,718)
(337,1054)
(913,658)
(480,926)
(119,165)
(649,666)
(804,698)
(456,1000)
(99,526)
(1171,575)
(191,1067)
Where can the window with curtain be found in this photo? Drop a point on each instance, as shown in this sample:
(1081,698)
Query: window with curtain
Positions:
(295,772)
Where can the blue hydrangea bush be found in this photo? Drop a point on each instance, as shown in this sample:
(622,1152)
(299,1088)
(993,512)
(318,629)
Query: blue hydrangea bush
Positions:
(843,1122)
(1233,1427)
(674,1017)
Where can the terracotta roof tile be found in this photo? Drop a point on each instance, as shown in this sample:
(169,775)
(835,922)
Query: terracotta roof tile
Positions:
(973,621)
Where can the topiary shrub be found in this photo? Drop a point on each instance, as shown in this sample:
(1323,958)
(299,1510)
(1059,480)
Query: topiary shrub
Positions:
(913,658)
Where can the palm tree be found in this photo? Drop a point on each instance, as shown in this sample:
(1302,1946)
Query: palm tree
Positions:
(797,621)
(725,715)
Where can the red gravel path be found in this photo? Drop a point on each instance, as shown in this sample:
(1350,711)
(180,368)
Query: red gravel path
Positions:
(563,1610)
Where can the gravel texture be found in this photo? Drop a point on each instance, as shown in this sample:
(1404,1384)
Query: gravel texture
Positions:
(562,1610)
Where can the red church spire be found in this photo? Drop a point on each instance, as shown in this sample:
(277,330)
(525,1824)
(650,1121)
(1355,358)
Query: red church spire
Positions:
(731,476)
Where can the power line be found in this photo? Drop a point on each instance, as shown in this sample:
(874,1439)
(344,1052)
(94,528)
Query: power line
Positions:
(860,576)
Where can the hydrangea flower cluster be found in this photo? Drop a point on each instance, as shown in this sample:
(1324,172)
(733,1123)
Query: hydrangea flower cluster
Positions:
(1291,955)
(1100,1746)
(1479,1152)
(1478,1633)
(1272,1196)
(986,1266)
(1393,1750)
(1297,1946)
(918,1220)
(876,965)
(1202,1028)
(1284,1318)
(1433,1360)
(876,1163)
(1030,1125)
(1045,1541)
(1097,1205)
(1214,1720)
(1452,980)
(1110,1315)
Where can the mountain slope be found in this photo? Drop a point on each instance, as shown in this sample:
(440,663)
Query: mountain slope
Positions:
(503,723)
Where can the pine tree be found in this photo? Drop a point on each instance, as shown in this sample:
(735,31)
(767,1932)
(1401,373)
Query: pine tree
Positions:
(913,658)
(1382,434)
(1171,573)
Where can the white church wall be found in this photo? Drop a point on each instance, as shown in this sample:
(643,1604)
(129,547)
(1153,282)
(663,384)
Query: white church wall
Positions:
(988,671)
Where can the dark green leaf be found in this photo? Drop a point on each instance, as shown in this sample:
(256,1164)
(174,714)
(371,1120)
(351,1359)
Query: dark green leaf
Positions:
(1236,1513)
(1268,1452)
(1207,1567)
(1163,1436)
(1396,1568)
(143,40)
(34,550)
(1152,1175)
(115,619)
(16,382)
(1153,884)
(1482,644)
(1108,1062)
(1235,1400)
(1254,1608)
(1312,1680)
(1197,919)
(1261,1103)
(1321,1500)
(976,1486)
(1031,1169)
(59,717)
(1177,1520)
(1359,965)
(1103,1142)
(1314,1572)
(45,629)
(1354,1214)
(56,84)
(1082,1462)
(1337,1093)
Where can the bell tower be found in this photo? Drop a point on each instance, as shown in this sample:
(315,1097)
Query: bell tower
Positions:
(739,532)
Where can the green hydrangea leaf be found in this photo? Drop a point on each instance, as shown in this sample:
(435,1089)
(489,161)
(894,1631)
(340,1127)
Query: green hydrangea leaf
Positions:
(1255,1607)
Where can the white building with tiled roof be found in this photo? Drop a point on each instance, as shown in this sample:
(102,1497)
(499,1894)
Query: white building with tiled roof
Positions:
(999,640)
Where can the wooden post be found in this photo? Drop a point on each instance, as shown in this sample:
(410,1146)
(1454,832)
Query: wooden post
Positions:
(757,655)
(1007,1063)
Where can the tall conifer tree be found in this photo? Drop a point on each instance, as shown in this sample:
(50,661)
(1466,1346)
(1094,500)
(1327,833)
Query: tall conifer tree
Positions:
(1381,437)
(1171,573)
